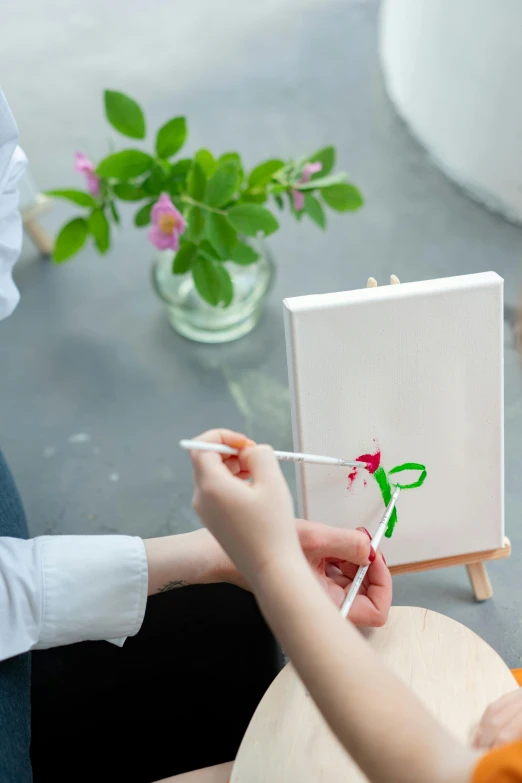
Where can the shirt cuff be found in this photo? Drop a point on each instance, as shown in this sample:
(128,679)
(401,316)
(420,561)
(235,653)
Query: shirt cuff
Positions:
(94,587)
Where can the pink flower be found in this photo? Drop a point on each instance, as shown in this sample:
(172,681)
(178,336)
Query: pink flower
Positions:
(84,166)
(167,224)
(297,195)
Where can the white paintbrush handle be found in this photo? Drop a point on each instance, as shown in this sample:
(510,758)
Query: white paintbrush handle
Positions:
(289,456)
(376,540)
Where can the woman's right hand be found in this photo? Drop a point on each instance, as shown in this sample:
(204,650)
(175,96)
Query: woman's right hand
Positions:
(253,521)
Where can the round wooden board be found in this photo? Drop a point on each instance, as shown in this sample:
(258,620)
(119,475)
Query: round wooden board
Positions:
(451,669)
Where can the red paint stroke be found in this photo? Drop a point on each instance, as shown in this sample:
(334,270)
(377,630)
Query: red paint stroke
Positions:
(372,463)
(352,475)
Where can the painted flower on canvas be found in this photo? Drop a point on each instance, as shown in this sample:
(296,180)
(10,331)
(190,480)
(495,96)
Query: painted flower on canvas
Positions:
(386,480)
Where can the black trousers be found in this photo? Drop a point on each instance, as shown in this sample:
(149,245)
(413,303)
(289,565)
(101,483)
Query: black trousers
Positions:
(178,696)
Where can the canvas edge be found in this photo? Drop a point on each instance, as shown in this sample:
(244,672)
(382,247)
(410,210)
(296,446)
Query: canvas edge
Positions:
(502,457)
(294,407)
(363,295)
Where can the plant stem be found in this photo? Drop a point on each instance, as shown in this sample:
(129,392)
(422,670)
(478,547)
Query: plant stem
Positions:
(189,200)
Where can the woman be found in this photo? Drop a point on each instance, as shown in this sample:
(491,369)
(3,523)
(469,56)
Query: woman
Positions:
(180,693)
(382,725)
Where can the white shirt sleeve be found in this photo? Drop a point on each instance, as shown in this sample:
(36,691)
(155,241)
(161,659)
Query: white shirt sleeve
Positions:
(12,166)
(57,590)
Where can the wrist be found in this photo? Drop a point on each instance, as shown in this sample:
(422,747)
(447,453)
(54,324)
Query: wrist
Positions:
(210,561)
(184,559)
(278,572)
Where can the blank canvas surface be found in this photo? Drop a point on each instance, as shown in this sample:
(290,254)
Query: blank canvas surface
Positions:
(415,370)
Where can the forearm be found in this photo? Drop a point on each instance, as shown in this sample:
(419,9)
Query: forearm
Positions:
(380,722)
(184,559)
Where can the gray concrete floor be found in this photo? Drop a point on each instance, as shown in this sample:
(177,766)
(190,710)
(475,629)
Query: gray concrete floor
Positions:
(90,353)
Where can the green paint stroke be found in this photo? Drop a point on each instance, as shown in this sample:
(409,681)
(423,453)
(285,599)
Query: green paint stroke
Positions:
(386,487)
(410,466)
(386,491)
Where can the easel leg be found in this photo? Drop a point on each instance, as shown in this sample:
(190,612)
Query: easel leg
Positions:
(40,237)
(478,576)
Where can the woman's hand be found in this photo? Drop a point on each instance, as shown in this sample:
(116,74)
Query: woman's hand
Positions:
(255,523)
(501,723)
(334,556)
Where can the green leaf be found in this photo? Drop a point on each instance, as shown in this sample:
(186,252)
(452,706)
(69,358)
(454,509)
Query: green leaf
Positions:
(250,219)
(195,223)
(253,198)
(114,212)
(209,250)
(222,185)
(343,198)
(127,192)
(70,240)
(314,210)
(126,164)
(326,156)
(181,167)
(235,158)
(206,161)
(263,173)
(124,114)
(99,229)
(220,233)
(177,183)
(226,294)
(171,137)
(321,182)
(207,279)
(154,184)
(183,259)
(76,196)
(196,181)
(243,254)
(142,216)
(279,200)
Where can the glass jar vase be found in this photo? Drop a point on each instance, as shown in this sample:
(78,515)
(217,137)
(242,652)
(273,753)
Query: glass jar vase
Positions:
(194,318)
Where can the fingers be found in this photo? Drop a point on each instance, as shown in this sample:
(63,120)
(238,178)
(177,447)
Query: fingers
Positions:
(261,463)
(236,440)
(332,542)
(373,608)
(501,722)
(228,437)
(204,460)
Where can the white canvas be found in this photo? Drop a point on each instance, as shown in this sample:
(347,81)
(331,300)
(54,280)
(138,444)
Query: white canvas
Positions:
(419,368)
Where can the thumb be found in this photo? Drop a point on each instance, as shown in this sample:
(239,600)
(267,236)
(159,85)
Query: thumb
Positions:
(262,464)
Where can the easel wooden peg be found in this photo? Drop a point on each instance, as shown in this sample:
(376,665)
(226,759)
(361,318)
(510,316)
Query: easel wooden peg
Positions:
(32,226)
(475,562)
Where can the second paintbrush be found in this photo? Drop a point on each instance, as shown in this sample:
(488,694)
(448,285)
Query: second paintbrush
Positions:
(287,456)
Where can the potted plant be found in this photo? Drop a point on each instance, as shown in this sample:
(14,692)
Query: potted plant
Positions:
(207,218)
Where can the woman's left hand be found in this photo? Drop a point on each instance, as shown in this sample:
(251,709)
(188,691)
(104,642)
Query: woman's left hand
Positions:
(330,553)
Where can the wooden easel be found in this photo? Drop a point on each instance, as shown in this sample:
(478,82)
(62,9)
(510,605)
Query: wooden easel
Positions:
(33,227)
(474,562)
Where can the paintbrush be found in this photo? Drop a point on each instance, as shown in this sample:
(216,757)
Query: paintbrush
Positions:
(376,540)
(287,456)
